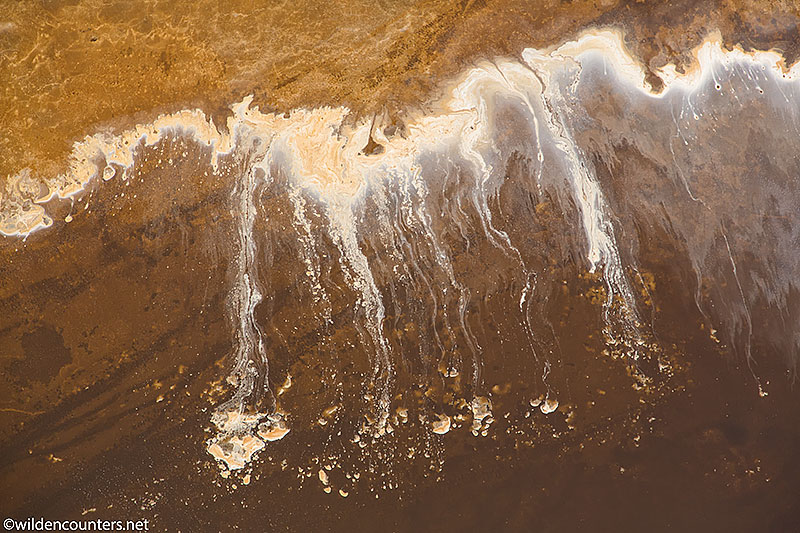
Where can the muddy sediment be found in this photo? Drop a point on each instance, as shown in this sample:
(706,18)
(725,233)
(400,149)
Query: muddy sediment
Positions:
(445,276)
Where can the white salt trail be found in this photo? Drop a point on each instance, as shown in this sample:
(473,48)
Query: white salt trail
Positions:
(357,269)
(309,250)
(420,220)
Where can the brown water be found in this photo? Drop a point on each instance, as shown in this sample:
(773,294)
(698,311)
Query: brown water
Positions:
(555,290)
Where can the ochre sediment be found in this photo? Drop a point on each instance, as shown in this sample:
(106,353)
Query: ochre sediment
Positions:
(474,264)
(71,68)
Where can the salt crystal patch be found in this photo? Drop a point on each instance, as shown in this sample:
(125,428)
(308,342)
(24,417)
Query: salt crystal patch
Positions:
(548,406)
(442,425)
(274,428)
(235,451)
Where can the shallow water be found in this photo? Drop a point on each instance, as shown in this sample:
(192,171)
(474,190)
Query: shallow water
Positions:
(553,297)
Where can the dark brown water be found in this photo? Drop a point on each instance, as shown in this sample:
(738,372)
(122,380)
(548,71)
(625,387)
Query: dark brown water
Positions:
(555,299)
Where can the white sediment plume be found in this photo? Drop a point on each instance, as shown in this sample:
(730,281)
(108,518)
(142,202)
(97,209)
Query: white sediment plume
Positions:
(321,155)
(234,418)
(21,210)
(21,199)
(709,56)
(326,152)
